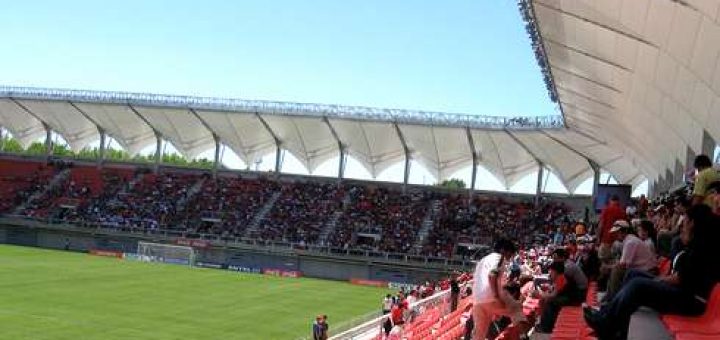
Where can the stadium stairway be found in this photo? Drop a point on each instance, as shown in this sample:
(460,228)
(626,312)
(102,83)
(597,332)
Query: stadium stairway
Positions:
(131,184)
(570,324)
(428,224)
(253,227)
(59,179)
(194,190)
(331,225)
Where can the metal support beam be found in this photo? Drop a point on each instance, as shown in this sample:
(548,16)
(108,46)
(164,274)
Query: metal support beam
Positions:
(475,159)
(46,126)
(278,143)
(2,139)
(541,166)
(278,159)
(48,141)
(538,190)
(158,150)
(216,162)
(406,150)
(342,149)
(596,181)
(101,149)
(216,139)
(652,190)
(342,162)
(158,137)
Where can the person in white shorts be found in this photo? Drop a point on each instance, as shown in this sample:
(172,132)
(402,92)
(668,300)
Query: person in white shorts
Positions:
(489,297)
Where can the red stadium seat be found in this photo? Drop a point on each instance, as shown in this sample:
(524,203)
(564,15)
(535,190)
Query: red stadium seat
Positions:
(696,336)
(664,265)
(708,323)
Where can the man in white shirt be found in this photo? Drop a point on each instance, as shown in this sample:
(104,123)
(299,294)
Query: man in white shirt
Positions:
(635,255)
(387,304)
(489,296)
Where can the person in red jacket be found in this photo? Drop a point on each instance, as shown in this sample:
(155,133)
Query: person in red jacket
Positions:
(611,213)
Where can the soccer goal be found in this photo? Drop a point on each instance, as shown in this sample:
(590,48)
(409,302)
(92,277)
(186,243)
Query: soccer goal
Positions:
(166,253)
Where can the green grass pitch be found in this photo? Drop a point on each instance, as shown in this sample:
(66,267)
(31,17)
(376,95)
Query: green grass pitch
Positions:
(46,294)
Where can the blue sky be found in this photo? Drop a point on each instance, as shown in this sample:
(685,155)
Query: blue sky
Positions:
(454,56)
(470,56)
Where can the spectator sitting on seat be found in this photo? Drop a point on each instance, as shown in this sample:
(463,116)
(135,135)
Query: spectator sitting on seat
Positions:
(572,294)
(588,260)
(705,176)
(714,197)
(636,254)
(684,292)
(646,233)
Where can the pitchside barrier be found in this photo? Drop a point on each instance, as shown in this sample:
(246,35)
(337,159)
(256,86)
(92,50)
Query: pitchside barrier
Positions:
(370,329)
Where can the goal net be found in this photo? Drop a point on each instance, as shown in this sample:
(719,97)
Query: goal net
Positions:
(166,253)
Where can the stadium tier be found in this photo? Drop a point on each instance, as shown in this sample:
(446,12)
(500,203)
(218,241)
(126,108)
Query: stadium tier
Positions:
(375,217)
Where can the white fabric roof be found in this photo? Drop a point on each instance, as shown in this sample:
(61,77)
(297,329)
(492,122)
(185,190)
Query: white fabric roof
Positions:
(441,142)
(638,82)
(642,76)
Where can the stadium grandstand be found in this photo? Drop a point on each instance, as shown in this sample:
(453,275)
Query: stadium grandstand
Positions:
(638,88)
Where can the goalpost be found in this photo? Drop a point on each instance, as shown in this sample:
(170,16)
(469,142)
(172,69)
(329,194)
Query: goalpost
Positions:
(166,253)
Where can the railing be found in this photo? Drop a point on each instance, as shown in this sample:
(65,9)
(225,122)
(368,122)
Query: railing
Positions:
(287,109)
(371,328)
(243,242)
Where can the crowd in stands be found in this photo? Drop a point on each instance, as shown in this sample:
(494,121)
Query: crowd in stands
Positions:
(658,255)
(225,206)
(300,212)
(19,180)
(153,201)
(381,219)
(481,219)
(356,216)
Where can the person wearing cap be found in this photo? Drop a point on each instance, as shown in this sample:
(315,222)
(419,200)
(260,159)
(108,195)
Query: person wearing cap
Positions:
(636,255)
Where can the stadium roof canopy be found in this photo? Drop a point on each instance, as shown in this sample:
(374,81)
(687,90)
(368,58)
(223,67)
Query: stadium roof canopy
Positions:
(641,76)
(637,82)
(510,148)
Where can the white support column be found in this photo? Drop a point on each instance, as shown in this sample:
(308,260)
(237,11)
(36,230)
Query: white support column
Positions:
(2,139)
(101,149)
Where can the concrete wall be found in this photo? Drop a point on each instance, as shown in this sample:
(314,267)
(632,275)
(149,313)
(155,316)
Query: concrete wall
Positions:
(333,268)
